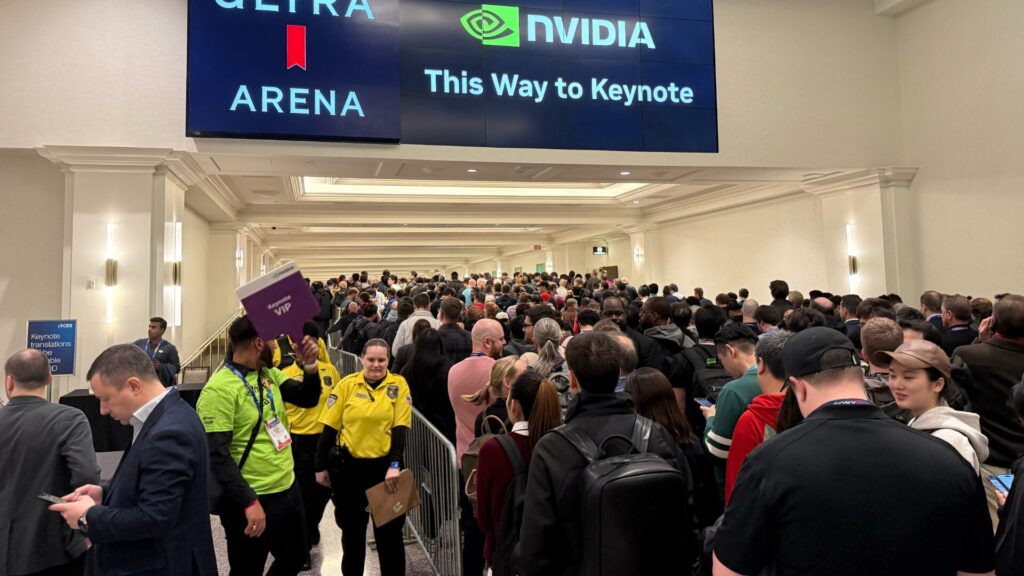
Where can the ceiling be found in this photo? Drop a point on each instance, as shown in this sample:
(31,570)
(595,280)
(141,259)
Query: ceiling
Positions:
(338,215)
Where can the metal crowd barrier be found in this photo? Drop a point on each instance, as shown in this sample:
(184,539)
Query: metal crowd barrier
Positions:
(435,525)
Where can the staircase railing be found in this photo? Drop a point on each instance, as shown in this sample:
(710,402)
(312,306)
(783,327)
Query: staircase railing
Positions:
(196,369)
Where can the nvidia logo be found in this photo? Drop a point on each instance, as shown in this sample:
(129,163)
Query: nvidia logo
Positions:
(496,25)
(493,25)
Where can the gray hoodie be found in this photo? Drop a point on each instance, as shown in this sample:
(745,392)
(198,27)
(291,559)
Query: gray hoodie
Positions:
(962,430)
(670,333)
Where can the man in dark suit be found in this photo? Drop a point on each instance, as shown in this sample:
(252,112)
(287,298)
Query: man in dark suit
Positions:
(956,317)
(153,518)
(931,307)
(847,312)
(996,364)
(47,448)
(647,349)
(162,353)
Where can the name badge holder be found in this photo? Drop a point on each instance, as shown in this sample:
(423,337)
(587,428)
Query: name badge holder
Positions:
(275,429)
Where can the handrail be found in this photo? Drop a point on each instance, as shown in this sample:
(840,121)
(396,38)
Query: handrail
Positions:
(213,347)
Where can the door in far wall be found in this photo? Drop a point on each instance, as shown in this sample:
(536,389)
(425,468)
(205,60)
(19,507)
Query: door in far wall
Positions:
(613,271)
(540,268)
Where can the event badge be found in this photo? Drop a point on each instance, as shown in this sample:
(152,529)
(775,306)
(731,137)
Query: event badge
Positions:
(278,433)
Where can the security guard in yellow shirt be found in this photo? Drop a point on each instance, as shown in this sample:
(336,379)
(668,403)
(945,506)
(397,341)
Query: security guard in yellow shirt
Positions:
(366,419)
(284,352)
(305,430)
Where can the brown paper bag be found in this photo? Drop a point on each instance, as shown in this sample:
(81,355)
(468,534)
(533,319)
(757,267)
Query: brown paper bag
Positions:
(385,507)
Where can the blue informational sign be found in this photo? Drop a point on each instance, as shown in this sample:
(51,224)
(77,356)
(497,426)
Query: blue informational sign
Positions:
(294,69)
(580,74)
(55,339)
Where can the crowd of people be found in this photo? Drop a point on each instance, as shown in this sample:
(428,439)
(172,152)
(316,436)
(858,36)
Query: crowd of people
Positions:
(601,428)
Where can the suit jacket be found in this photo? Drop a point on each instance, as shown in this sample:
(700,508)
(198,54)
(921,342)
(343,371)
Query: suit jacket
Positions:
(456,343)
(995,365)
(155,518)
(170,363)
(648,351)
(47,448)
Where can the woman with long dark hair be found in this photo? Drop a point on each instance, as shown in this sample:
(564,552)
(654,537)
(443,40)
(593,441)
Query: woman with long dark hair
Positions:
(427,375)
(653,398)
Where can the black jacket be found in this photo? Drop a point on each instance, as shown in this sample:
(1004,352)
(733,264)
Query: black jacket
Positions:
(456,343)
(47,448)
(957,336)
(549,542)
(648,352)
(995,367)
(852,329)
(517,348)
(1010,535)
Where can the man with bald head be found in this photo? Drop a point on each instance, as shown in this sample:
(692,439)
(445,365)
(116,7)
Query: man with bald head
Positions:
(47,448)
(465,379)
(828,308)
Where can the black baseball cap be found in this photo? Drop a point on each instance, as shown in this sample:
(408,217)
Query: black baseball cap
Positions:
(803,353)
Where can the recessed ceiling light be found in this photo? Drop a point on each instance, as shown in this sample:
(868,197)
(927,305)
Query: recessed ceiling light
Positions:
(636,201)
(472,170)
(625,173)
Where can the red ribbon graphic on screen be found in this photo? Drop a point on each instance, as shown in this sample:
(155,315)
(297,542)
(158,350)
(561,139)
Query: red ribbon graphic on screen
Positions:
(296,47)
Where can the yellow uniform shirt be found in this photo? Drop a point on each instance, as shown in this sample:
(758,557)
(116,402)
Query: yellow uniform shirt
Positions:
(322,357)
(365,416)
(307,420)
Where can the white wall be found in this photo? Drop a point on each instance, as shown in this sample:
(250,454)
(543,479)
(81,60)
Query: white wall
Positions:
(960,72)
(746,249)
(800,83)
(194,288)
(862,208)
(31,258)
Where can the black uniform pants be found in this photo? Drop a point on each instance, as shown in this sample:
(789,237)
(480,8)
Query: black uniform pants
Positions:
(350,479)
(284,537)
(314,496)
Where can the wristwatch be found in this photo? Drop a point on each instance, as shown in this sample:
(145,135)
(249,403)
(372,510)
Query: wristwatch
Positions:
(83,524)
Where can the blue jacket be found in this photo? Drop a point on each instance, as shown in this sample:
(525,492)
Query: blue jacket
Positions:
(155,518)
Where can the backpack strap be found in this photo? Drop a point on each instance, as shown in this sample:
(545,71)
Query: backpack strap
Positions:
(583,444)
(642,433)
(512,451)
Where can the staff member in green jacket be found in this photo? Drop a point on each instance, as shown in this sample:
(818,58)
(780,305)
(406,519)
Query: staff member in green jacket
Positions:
(242,408)
(365,423)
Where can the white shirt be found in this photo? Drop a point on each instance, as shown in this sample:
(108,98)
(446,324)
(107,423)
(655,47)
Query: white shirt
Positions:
(138,419)
(521,428)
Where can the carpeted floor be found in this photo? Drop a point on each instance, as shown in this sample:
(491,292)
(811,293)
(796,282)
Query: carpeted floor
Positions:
(326,558)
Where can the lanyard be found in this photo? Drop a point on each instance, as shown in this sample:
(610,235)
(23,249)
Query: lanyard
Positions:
(258,402)
(476,354)
(152,356)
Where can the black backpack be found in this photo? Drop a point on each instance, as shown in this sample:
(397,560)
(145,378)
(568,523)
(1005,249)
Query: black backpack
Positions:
(623,496)
(507,536)
(356,337)
(709,376)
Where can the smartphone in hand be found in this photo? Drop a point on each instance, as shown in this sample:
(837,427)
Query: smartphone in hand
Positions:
(1002,482)
(704,402)
(50,498)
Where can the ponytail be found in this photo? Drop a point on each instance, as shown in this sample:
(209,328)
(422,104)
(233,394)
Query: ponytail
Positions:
(538,399)
(546,414)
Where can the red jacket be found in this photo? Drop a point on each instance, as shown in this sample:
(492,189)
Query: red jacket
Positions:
(493,478)
(754,427)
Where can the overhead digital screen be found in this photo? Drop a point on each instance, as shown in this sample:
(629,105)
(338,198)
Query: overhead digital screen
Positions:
(576,74)
(580,74)
(294,69)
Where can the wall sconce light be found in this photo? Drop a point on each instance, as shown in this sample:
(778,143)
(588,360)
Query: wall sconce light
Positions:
(110,274)
(239,258)
(638,255)
(549,266)
(851,256)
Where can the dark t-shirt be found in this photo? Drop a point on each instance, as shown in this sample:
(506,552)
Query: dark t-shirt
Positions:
(853,492)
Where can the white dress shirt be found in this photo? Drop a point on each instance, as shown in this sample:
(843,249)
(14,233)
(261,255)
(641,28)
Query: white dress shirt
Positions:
(138,419)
